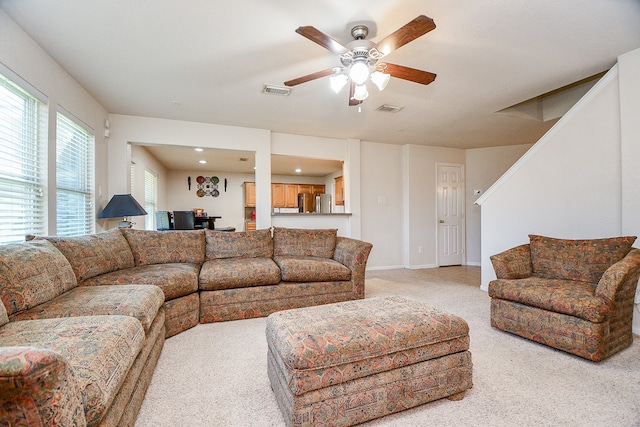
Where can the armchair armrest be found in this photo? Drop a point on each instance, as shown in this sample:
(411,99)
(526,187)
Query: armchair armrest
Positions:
(618,283)
(38,386)
(353,254)
(514,263)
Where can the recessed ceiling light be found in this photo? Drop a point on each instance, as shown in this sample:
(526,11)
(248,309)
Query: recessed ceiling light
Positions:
(298,170)
(202,161)
(198,149)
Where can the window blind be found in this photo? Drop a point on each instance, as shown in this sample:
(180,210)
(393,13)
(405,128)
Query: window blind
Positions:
(22,163)
(150,198)
(74,178)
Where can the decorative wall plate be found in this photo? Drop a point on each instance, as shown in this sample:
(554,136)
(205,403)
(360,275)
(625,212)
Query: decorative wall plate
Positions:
(207,186)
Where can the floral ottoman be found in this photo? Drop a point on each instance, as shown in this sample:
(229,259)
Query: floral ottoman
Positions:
(345,363)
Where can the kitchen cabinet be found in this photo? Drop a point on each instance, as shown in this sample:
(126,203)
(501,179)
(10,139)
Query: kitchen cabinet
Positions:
(286,195)
(311,188)
(339,197)
(290,196)
(249,194)
(278,199)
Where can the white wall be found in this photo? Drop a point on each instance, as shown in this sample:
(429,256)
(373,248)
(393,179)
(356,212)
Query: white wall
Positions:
(382,200)
(22,56)
(229,204)
(483,167)
(573,183)
(421,200)
(145,161)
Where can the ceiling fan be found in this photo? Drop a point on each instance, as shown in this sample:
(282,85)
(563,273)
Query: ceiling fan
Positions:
(360,57)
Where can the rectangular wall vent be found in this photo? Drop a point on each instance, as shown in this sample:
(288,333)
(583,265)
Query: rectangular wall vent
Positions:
(389,108)
(276,90)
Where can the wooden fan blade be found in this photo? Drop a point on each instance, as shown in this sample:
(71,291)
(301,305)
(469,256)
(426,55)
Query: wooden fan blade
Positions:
(310,77)
(352,90)
(406,73)
(409,32)
(322,39)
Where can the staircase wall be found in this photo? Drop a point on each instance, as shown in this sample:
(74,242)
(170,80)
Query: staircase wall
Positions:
(580,180)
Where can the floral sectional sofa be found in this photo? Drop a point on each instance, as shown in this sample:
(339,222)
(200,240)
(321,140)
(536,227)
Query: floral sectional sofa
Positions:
(81,329)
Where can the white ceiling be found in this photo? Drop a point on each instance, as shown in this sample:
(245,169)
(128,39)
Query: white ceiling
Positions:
(207,61)
(237,161)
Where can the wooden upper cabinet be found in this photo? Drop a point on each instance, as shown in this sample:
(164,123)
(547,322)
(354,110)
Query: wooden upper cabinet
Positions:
(278,199)
(250,194)
(290,196)
(305,188)
(318,189)
(286,195)
(339,191)
(311,188)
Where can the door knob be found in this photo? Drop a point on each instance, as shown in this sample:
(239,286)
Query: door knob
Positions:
(442,221)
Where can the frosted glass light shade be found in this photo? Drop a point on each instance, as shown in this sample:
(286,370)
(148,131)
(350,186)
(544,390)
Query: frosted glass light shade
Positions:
(360,93)
(338,81)
(380,79)
(359,72)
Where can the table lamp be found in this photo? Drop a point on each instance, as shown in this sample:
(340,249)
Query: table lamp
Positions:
(122,205)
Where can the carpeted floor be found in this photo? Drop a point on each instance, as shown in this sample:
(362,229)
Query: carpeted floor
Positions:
(216,374)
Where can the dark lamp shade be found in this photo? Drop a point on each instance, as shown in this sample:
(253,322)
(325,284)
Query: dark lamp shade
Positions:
(122,205)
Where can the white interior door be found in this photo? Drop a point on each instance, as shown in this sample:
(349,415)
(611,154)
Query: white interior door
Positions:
(450,214)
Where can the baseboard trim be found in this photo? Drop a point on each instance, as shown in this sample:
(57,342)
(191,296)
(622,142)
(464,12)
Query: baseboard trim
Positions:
(385,267)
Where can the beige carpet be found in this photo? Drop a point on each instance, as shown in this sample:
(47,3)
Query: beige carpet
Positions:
(216,374)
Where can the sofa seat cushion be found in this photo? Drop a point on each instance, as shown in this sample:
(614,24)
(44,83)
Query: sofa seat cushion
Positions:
(574,298)
(244,244)
(100,349)
(175,280)
(139,301)
(32,273)
(581,260)
(229,273)
(311,269)
(162,247)
(304,242)
(94,254)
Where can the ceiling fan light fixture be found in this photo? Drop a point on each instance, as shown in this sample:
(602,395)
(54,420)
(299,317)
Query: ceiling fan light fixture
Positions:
(380,79)
(359,72)
(360,93)
(338,81)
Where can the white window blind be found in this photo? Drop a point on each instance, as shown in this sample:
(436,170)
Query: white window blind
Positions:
(150,199)
(22,163)
(74,178)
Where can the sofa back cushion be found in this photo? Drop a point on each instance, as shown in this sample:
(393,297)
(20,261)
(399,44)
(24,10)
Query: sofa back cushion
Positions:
(302,242)
(32,273)
(162,247)
(247,244)
(95,254)
(581,260)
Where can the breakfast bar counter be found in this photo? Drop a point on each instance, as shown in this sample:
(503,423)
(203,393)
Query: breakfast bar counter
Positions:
(340,221)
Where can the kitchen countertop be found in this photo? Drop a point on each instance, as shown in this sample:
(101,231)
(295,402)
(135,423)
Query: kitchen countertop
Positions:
(309,214)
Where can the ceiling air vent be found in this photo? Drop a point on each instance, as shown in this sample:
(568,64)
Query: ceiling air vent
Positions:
(389,108)
(276,90)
